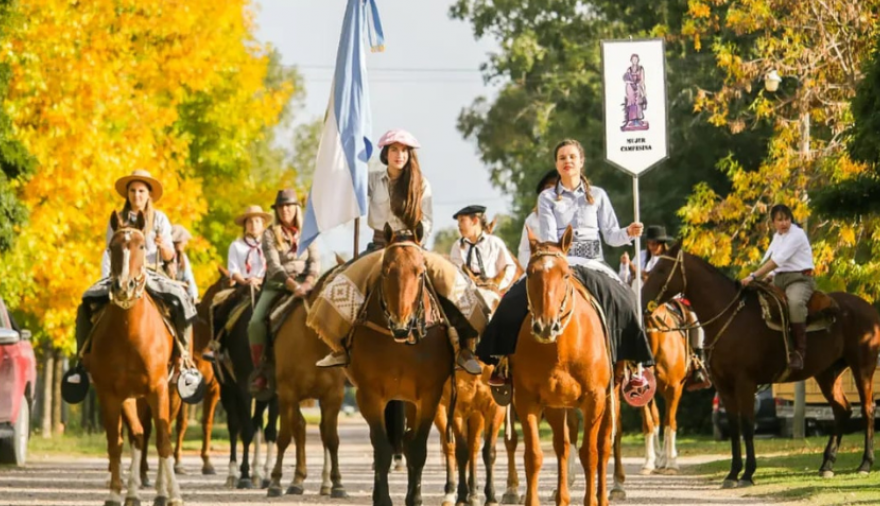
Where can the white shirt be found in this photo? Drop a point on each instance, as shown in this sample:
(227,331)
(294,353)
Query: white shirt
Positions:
(559,208)
(494,254)
(791,252)
(380,204)
(525,251)
(161,226)
(238,258)
(625,272)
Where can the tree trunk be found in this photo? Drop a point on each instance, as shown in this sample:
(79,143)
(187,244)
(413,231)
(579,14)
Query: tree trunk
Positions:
(57,422)
(48,373)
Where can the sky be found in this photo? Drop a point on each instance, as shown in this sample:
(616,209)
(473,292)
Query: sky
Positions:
(428,72)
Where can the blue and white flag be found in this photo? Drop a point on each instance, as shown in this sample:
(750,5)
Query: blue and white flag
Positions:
(339,185)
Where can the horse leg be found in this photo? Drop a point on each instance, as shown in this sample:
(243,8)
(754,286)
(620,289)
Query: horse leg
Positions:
(230,405)
(111,410)
(259,436)
(864,375)
(394,418)
(136,437)
(733,411)
(672,396)
(298,429)
(461,458)
(589,452)
(561,445)
(247,438)
(607,433)
(286,405)
(495,415)
(165,481)
(179,414)
(330,408)
(476,425)
(373,411)
(648,431)
(447,450)
(208,406)
(415,446)
(511,440)
(145,417)
(618,492)
(656,450)
(830,383)
(529,413)
(271,434)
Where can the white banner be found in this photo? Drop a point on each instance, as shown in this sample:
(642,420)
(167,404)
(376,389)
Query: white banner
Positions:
(634,78)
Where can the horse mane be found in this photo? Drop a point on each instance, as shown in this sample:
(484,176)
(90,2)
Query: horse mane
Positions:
(703,263)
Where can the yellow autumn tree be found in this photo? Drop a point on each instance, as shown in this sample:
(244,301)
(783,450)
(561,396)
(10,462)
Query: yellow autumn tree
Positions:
(96,91)
(816,49)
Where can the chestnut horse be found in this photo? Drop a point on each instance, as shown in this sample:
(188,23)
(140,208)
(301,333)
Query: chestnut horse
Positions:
(384,369)
(297,378)
(562,360)
(743,352)
(130,356)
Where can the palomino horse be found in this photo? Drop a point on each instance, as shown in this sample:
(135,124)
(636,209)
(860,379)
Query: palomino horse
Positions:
(384,369)
(562,361)
(297,378)
(131,332)
(744,353)
(242,420)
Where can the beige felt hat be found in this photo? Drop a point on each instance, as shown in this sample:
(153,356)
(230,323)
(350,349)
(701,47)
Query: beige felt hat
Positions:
(253,211)
(144,177)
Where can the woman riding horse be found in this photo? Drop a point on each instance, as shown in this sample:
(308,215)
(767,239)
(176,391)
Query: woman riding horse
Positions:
(587,209)
(789,262)
(180,266)
(481,255)
(141,192)
(288,270)
(549,180)
(401,198)
(657,243)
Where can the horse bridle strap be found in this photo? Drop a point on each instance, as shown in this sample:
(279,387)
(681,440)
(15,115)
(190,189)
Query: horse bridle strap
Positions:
(417,323)
(140,279)
(569,292)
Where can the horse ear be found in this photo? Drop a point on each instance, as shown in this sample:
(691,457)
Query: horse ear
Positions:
(565,241)
(339,259)
(533,241)
(388,233)
(420,232)
(115,220)
(490,228)
(141,222)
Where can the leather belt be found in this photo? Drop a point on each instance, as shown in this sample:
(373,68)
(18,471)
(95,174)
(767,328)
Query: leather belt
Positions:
(805,272)
(586,249)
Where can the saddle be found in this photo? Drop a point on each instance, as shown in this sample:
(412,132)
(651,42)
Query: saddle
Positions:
(281,309)
(822,310)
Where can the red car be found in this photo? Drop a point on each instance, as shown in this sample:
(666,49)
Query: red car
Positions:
(18,381)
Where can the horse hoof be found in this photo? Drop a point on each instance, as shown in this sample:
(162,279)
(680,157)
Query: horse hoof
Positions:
(132,501)
(864,473)
(826,474)
(338,493)
(230,481)
(325,491)
(618,495)
(274,491)
(146,483)
(265,483)
(160,501)
(745,484)
(178,469)
(646,471)
(112,503)
(295,490)
(729,484)
(668,471)
(244,483)
(208,470)
(511,498)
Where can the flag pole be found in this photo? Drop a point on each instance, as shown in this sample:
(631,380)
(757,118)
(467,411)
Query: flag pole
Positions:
(357,235)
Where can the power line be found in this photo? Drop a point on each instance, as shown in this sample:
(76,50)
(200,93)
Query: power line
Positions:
(392,69)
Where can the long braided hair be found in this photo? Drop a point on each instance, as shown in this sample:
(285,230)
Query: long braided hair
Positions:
(580,148)
(406,190)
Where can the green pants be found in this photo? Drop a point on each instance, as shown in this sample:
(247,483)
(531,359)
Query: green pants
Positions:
(257,329)
(798,289)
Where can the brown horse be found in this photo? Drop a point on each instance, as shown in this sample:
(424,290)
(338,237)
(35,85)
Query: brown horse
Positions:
(385,369)
(297,378)
(562,361)
(744,353)
(130,356)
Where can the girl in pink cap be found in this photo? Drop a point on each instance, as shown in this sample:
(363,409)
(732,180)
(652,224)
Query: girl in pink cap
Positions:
(401,197)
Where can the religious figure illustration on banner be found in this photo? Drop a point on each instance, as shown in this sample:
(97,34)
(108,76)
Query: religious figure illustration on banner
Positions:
(636,102)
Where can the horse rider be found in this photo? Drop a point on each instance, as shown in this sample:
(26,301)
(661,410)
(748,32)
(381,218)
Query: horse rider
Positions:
(288,270)
(481,254)
(789,262)
(548,180)
(587,209)
(246,261)
(401,197)
(141,192)
(180,268)
(657,245)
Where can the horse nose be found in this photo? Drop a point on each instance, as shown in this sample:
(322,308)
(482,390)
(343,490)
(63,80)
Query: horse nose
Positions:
(131,284)
(117,285)
(557,327)
(536,327)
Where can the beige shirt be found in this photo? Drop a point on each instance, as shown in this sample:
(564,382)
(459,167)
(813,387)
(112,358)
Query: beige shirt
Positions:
(380,205)
(282,263)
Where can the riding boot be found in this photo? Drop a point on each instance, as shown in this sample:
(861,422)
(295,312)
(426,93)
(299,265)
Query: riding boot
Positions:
(464,357)
(796,357)
(83,329)
(259,383)
(699,378)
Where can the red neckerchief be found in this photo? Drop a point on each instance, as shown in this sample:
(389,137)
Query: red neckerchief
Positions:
(292,235)
(253,249)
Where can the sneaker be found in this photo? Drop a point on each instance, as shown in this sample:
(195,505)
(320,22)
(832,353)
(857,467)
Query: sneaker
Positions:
(335,359)
(468,362)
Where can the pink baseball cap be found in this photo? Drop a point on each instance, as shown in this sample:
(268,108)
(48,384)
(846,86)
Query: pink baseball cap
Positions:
(398,135)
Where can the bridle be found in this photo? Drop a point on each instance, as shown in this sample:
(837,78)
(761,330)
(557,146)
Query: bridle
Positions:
(678,263)
(565,319)
(140,281)
(417,326)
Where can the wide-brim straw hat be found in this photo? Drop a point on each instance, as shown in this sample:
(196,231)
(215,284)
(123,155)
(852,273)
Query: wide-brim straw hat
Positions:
(180,234)
(143,176)
(252,211)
